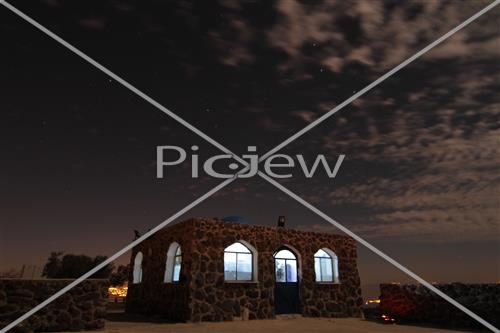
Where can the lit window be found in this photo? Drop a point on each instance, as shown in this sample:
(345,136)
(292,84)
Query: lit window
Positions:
(238,263)
(137,273)
(177,265)
(173,264)
(326,266)
(285,264)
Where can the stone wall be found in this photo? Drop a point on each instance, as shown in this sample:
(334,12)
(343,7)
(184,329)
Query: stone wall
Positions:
(203,295)
(81,308)
(415,303)
(152,296)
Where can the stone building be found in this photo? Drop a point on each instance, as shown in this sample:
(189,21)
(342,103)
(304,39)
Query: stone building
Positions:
(214,270)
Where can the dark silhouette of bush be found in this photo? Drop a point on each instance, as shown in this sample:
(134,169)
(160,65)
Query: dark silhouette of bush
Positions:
(71,266)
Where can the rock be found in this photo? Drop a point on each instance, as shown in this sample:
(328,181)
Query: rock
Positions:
(75,312)
(94,325)
(22,329)
(86,305)
(100,312)
(21,292)
(23,302)
(19,295)
(77,325)
(227,305)
(415,303)
(9,311)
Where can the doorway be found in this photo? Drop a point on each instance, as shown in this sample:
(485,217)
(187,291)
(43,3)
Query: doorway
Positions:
(286,288)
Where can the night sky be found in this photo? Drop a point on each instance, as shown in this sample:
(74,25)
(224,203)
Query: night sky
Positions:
(421,175)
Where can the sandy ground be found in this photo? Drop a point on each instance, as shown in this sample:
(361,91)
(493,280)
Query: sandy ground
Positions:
(280,325)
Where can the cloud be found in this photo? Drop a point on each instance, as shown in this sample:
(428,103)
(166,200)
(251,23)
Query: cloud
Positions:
(386,34)
(233,43)
(306,116)
(422,148)
(422,155)
(268,124)
(443,180)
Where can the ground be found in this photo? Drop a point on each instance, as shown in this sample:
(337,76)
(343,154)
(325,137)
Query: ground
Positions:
(281,325)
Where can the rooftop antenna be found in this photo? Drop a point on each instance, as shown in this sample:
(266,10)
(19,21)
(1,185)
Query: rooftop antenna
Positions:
(281,221)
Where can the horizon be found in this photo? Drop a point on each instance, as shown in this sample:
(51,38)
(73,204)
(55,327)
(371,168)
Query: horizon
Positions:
(369,287)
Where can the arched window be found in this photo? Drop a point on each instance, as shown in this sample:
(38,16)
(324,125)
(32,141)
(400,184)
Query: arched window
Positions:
(240,262)
(326,266)
(173,264)
(137,273)
(285,263)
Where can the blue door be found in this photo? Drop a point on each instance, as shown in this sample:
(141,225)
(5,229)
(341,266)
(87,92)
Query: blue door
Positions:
(286,289)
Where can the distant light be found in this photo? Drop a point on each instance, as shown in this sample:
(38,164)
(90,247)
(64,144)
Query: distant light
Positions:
(372,301)
(387,318)
(118,291)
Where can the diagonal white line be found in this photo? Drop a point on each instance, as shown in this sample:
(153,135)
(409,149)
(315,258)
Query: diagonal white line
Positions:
(116,255)
(379,253)
(380,79)
(120,80)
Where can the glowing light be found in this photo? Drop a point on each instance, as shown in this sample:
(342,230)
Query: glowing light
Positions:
(387,318)
(372,301)
(118,291)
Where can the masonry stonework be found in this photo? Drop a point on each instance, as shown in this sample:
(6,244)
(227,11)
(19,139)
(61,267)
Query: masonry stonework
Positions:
(81,308)
(413,303)
(202,294)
